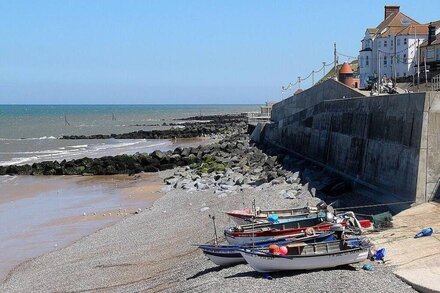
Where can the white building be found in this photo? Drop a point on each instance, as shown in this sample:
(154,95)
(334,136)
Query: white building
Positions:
(390,49)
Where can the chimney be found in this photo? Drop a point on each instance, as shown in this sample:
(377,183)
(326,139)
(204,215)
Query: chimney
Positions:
(431,34)
(390,10)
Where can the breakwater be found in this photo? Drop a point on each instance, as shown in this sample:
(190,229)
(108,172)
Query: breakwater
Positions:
(212,124)
(219,126)
(388,143)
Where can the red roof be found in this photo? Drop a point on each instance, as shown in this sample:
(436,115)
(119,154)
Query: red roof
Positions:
(345,69)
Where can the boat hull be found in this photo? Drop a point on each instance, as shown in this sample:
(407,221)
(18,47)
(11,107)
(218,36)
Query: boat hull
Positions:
(224,255)
(225,258)
(242,217)
(242,238)
(265,263)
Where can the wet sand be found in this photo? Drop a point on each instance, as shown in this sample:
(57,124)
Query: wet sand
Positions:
(42,214)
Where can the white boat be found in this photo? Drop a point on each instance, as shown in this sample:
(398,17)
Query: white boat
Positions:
(302,256)
(226,255)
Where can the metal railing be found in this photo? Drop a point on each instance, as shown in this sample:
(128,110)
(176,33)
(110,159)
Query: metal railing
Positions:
(436,83)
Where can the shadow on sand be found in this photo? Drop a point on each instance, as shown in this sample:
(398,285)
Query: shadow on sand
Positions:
(210,270)
(283,274)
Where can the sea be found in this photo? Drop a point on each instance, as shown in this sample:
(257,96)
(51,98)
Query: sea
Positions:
(40,214)
(29,133)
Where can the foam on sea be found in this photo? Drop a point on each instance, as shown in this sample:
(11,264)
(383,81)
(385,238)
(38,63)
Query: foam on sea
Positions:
(106,148)
(28,138)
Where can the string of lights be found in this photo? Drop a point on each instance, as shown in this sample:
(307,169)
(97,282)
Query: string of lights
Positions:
(292,84)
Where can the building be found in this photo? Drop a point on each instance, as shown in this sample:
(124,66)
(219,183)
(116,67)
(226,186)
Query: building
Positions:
(391,48)
(430,50)
(346,76)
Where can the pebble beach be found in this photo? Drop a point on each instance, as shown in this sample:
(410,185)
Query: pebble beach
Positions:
(154,251)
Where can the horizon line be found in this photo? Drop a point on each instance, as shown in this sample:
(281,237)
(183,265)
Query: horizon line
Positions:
(135,104)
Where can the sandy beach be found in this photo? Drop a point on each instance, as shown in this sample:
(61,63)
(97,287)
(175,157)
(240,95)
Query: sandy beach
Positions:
(153,252)
(51,212)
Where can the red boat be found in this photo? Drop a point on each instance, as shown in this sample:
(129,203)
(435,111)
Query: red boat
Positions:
(264,234)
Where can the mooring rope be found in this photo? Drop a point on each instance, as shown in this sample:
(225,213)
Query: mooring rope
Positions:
(375,205)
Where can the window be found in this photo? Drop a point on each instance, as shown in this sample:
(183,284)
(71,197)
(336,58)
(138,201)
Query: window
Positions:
(385,61)
(398,58)
(385,43)
(392,43)
(404,58)
(378,44)
(398,42)
(398,74)
(367,62)
(438,54)
(429,54)
(404,41)
(404,74)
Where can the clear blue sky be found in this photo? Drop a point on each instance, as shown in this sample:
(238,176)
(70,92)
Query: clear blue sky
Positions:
(175,51)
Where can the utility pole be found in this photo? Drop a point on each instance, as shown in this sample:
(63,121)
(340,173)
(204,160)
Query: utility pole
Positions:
(335,60)
(378,72)
(426,72)
(394,60)
(418,66)
(323,65)
(313,77)
(299,82)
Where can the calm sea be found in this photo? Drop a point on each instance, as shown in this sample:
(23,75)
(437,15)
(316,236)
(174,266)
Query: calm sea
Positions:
(28,133)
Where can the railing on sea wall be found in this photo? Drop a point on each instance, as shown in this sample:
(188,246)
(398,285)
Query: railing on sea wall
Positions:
(255,117)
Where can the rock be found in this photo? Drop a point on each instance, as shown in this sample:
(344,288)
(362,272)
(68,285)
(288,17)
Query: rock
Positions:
(277,181)
(271,176)
(228,187)
(166,189)
(259,181)
(217,177)
(305,187)
(177,151)
(201,186)
(175,158)
(171,180)
(157,154)
(204,209)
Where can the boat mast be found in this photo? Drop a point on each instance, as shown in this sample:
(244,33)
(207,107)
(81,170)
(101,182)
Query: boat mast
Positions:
(215,229)
(253,222)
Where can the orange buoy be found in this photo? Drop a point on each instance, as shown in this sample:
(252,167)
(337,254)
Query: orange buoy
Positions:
(275,249)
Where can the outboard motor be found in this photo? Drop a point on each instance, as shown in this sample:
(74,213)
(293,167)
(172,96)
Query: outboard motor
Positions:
(321,205)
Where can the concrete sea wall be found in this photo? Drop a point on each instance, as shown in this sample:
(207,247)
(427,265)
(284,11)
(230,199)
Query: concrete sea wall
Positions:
(327,90)
(389,143)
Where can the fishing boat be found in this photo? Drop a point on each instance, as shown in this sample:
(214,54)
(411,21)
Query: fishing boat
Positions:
(227,255)
(308,256)
(264,232)
(267,234)
(305,221)
(245,216)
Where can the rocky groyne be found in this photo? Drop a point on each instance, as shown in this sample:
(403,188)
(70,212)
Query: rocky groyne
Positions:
(227,165)
(235,164)
(195,127)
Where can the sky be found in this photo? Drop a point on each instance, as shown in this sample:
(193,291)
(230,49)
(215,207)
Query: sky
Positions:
(176,52)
